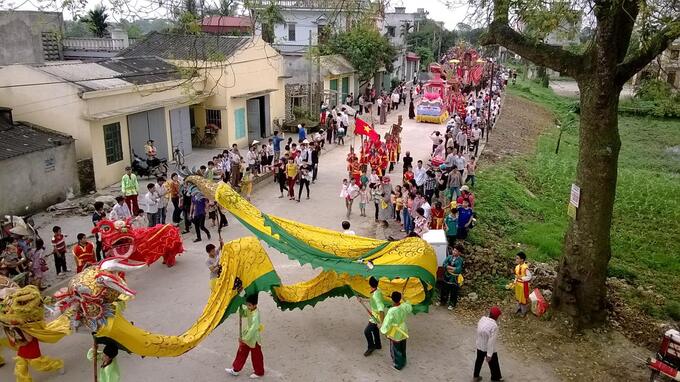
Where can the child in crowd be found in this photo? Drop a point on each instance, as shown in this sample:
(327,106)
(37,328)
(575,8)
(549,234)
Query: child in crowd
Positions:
(108,371)
(59,250)
(399,205)
(364,197)
(212,213)
(451,226)
(140,220)
(345,228)
(247,184)
(213,264)
(437,221)
(38,264)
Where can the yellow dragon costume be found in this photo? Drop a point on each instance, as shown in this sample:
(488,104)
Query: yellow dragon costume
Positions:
(407,265)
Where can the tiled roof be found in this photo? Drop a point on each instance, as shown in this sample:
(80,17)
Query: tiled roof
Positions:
(335,64)
(226,21)
(202,47)
(112,73)
(22,138)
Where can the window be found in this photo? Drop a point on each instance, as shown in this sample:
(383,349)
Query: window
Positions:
(112,143)
(391,31)
(213,117)
(675,53)
(671,78)
(291,31)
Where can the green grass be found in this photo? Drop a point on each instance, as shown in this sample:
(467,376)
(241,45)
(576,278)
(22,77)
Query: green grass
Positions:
(524,199)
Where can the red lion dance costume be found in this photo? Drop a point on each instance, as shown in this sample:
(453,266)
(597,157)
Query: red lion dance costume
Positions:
(146,245)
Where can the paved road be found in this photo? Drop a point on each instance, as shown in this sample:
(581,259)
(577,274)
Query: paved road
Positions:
(323,343)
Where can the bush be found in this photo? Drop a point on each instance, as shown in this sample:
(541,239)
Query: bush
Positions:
(654,98)
(673,310)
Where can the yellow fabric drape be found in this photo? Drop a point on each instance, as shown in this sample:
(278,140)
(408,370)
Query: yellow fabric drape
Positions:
(44,364)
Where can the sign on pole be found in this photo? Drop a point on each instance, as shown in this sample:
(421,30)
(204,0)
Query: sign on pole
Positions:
(574,201)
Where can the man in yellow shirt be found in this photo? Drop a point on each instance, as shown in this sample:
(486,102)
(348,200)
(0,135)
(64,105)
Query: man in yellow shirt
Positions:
(394,327)
(129,187)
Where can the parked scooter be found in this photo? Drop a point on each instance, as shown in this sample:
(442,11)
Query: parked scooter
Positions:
(149,168)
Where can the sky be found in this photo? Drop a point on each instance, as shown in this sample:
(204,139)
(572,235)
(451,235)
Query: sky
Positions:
(438,10)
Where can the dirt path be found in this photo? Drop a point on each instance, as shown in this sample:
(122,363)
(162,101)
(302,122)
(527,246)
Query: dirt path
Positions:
(517,129)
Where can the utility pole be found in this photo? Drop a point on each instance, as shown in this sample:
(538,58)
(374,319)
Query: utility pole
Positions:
(309,75)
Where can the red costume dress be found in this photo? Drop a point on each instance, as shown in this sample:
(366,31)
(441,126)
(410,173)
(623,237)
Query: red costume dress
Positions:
(84,255)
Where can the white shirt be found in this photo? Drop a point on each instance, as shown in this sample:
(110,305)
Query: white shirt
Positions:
(487,332)
(348,232)
(476,132)
(395,97)
(459,161)
(427,208)
(419,175)
(151,202)
(250,157)
(345,120)
(120,212)
(379,102)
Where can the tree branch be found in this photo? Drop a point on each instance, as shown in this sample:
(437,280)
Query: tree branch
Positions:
(539,53)
(657,44)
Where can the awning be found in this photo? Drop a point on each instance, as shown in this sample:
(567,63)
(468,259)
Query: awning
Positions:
(254,94)
(177,101)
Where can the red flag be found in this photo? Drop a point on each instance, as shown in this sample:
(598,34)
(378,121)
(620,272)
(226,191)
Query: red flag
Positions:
(362,128)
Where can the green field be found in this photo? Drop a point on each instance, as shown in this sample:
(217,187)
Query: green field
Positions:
(524,200)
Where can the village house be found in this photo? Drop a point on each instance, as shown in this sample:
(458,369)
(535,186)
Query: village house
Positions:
(396,26)
(242,81)
(110,107)
(39,163)
(665,68)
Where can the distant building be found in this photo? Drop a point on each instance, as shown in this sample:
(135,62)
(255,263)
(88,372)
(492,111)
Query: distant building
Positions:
(30,37)
(396,26)
(665,68)
(111,108)
(227,25)
(316,20)
(94,48)
(39,166)
(242,80)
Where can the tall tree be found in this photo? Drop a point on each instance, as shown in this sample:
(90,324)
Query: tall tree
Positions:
(96,21)
(268,17)
(364,47)
(600,71)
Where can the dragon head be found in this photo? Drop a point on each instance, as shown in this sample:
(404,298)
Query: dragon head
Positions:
(91,294)
(116,236)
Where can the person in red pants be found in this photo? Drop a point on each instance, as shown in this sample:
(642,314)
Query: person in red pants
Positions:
(249,341)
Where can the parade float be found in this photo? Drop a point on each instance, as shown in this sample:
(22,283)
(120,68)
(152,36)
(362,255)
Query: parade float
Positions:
(434,106)
(95,299)
(464,71)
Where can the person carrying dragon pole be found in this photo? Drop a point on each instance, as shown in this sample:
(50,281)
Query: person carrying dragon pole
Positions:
(377,312)
(394,327)
(249,340)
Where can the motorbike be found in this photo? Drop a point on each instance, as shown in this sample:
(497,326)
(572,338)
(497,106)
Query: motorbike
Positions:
(149,167)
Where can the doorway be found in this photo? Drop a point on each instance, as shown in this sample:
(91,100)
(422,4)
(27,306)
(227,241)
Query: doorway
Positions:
(257,110)
(145,126)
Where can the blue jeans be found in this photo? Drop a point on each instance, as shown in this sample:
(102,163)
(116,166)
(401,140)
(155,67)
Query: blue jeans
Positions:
(406,217)
(455,192)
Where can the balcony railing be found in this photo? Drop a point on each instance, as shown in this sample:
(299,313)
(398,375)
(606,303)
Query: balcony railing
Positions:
(99,44)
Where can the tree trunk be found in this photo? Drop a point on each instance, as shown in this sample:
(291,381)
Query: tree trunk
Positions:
(580,289)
